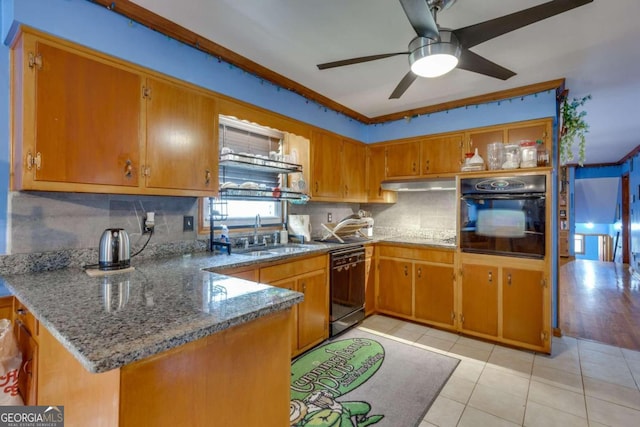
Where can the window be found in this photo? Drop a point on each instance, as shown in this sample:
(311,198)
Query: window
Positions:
(245,138)
(579,244)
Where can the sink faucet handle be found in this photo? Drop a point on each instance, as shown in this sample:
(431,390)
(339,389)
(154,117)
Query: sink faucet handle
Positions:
(264,240)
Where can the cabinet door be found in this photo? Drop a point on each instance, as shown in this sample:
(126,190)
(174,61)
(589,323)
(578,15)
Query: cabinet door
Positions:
(6,307)
(353,170)
(434,293)
(441,154)
(375,176)
(369,287)
(326,164)
(87,120)
(313,312)
(395,286)
(481,139)
(28,375)
(480,299)
(403,160)
(182,146)
(290,284)
(522,305)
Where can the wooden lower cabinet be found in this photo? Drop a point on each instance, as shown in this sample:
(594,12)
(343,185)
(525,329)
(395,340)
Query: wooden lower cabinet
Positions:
(434,293)
(479,299)
(239,376)
(507,300)
(417,284)
(310,319)
(395,286)
(523,306)
(369,281)
(6,307)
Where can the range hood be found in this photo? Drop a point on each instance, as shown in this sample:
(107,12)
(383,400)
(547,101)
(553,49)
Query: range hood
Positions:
(425,184)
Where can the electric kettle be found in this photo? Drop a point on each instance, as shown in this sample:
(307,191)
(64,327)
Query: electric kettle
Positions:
(114,250)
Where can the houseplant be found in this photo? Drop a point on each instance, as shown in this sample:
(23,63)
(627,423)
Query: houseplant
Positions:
(574,127)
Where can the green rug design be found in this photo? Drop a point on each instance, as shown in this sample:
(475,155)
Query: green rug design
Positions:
(360,379)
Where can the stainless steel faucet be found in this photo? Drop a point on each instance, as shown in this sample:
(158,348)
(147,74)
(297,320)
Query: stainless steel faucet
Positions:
(255,229)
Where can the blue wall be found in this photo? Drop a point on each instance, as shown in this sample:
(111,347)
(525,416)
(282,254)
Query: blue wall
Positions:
(94,26)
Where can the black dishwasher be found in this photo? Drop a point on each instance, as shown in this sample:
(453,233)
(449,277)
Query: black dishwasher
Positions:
(346,286)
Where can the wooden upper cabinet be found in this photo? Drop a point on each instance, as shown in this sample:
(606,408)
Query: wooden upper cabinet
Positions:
(353,170)
(375,176)
(181,137)
(441,154)
(403,160)
(83,125)
(326,161)
(481,139)
(540,130)
(85,122)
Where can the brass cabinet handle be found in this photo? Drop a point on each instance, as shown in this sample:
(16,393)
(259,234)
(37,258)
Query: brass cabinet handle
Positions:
(426,166)
(207,176)
(413,168)
(346,190)
(509,279)
(304,287)
(379,191)
(128,169)
(21,312)
(406,270)
(419,272)
(316,186)
(490,276)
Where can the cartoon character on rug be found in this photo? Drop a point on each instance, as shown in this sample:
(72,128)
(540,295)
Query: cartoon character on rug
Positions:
(320,409)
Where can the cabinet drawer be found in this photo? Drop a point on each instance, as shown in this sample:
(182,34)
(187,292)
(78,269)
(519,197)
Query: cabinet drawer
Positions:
(285,270)
(24,317)
(419,254)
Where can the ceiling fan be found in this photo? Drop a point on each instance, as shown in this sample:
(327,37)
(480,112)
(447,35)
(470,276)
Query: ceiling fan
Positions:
(436,51)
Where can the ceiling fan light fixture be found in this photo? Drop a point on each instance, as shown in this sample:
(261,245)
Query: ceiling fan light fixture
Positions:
(429,58)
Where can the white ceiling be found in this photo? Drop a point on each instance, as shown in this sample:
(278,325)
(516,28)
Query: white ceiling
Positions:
(594,47)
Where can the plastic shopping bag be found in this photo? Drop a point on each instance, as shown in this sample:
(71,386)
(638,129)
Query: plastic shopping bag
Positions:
(10,362)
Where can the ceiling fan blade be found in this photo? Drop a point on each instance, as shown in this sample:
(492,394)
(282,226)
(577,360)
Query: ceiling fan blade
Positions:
(421,18)
(473,62)
(403,85)
(479,33)
(358,60)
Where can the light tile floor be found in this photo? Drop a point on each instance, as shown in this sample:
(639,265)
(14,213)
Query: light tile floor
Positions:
(582,383)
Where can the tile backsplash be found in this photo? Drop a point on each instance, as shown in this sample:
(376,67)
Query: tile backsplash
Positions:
(49,221)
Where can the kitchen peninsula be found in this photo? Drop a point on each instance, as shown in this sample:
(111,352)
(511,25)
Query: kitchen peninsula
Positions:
(166,344)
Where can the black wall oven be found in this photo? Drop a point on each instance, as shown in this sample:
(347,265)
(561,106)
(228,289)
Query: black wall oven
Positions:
(503,215)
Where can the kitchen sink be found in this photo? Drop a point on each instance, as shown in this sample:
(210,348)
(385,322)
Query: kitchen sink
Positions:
(272,250)
(259,253)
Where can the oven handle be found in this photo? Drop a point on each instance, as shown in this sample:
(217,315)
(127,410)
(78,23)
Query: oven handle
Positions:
(533,196)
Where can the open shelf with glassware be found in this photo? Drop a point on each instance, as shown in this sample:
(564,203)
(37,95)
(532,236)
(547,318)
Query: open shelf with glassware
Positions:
(257,163)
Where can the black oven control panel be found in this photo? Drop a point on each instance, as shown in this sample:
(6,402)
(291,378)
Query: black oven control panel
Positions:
(520,184)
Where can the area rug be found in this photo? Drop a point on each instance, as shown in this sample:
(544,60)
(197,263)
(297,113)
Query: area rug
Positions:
(360,379)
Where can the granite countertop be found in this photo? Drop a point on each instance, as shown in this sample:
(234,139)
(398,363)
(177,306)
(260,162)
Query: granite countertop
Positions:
(108,322)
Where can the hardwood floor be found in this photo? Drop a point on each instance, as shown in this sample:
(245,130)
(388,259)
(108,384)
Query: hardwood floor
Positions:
(600,301)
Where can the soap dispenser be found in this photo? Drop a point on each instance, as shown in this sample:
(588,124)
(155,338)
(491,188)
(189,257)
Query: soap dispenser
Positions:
(284,235)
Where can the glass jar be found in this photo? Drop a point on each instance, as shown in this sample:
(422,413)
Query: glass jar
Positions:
(511,156)
(495,155)
(528,154)
(542,153)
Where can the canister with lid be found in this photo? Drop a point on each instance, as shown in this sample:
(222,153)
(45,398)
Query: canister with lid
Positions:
(511,156)
(528,154)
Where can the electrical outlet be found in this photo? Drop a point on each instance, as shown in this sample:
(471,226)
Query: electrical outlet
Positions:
(187,223)
(148,223)
(329,217)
